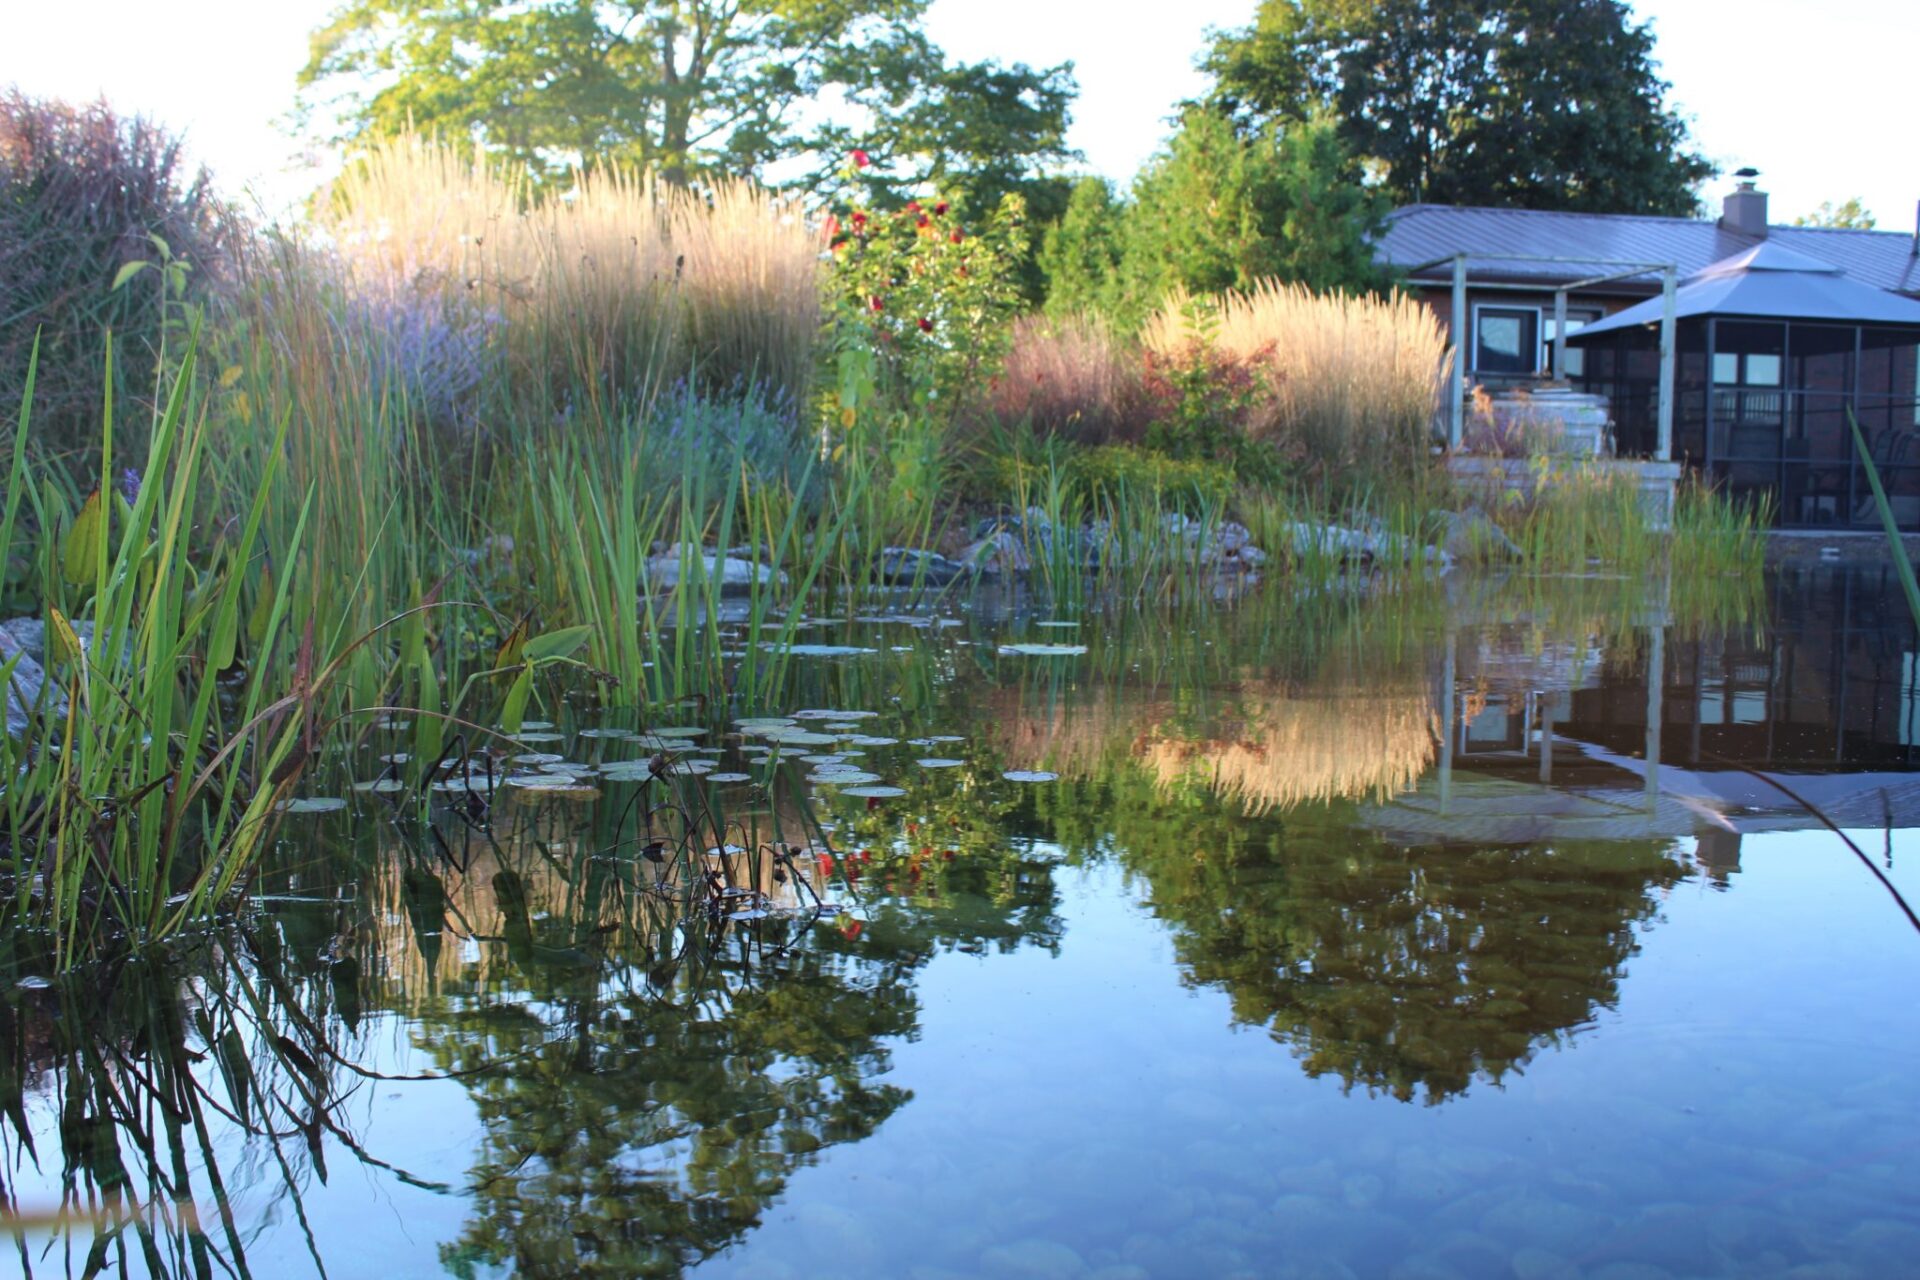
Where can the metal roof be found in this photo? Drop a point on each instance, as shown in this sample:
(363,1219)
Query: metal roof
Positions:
(1768,280)
(1421,233)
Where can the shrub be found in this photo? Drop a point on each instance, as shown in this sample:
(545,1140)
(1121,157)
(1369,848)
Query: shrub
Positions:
(83,194)
(1349,385)
(1203,402)
(1071,377)
(921,300)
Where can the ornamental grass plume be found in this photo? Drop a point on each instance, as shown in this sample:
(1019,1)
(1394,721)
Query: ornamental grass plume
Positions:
(1072,376)
(1351,383)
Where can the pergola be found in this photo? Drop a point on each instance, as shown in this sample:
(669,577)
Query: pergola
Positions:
(1755,367)
(1613,270)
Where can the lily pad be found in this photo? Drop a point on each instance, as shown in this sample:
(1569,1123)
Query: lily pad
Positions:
(381,786)
(313,804)
(843,778)
(1042,650)
(939,763)
(819,650)
(1030,775)
(729,777)
(834,715)
(874,792)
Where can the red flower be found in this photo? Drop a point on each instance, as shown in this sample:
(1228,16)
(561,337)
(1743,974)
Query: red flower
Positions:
(956,237)
(825,860)
(940,208)
(926,325)
(877,303)
(913,206)
(923,221)
(860,159)
(832,228)
(851,930)
(859,220)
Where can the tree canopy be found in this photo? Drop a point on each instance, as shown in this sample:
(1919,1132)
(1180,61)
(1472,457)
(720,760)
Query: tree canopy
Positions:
(1850,215)
(686,86)
(1538,104)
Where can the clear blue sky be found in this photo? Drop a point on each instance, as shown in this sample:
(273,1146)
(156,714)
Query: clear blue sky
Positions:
(1815,93)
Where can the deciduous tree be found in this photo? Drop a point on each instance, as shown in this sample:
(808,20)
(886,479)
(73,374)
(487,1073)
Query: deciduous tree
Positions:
(1541,104)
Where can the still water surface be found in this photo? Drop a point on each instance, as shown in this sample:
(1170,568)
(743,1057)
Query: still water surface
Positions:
(1457,932)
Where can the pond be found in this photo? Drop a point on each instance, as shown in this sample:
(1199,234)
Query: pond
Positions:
(1462,930)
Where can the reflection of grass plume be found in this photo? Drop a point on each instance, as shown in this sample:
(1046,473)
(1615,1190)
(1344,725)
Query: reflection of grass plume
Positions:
(1316,746)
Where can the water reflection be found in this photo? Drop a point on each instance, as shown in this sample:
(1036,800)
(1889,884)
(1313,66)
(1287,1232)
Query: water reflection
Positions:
(1417,840)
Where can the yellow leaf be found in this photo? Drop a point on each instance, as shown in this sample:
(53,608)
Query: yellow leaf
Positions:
(81,551)
(846,416)
(513,646)
(63,642)
(229,375)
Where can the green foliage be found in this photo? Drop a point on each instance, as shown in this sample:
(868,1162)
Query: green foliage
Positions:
(1849,215)
(1539,104)
(687,86)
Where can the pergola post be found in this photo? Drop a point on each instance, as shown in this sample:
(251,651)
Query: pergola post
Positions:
(1664,450)
(1559,335)
(1457,380)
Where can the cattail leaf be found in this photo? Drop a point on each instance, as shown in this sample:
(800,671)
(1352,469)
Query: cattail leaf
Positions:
(224,640)
(126,273)
(262,608)
(80,552)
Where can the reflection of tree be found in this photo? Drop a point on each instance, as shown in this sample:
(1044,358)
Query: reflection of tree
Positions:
(665,1075)
(1396,969)
(654,1132)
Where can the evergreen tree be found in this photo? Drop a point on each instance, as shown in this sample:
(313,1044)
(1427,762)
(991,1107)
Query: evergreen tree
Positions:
(1216,211)
(1081,254)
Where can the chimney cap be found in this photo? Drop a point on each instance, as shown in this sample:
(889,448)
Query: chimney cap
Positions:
(1748,172)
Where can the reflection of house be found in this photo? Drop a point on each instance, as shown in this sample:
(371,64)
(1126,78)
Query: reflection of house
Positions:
(1826,702)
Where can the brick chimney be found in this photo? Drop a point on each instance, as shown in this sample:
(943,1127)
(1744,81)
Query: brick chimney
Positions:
(1745,207)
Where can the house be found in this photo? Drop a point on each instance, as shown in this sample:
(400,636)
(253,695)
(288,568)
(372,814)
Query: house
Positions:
(1518,258)
(1743,349)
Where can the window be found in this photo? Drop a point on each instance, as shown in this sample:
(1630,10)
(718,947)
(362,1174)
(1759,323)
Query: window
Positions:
(1506,340)
(1734,370)
(1577,319)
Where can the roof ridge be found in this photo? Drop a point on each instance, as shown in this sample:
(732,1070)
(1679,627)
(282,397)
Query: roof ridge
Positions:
(1844,231)
(1424,206)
